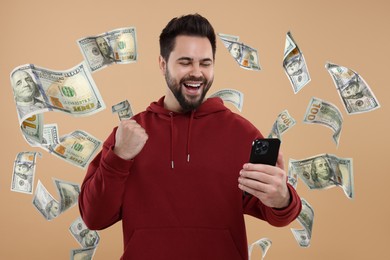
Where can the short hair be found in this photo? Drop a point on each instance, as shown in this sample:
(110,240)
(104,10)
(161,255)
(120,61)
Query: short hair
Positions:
(189,25)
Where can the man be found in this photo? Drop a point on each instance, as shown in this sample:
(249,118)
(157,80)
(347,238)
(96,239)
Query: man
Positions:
(171,172)
(26,93)
(105,50)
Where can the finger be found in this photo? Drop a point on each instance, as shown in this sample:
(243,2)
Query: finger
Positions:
(256,193)
(268,169)
(258,176)
(253,185)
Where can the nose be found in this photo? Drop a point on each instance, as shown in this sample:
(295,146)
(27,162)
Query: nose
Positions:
(24,83)
(196,70)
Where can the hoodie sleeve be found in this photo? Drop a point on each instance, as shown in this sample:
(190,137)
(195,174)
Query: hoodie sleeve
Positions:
(276,217)
(100,199)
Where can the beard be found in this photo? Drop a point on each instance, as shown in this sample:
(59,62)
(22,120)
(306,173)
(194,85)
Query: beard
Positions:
(187,103)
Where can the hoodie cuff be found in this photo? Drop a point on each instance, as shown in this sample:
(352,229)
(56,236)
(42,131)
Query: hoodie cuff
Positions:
(115,163)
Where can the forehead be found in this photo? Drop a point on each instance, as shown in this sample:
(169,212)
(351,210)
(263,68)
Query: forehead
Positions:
(100,40)
(193,47)
(21,74)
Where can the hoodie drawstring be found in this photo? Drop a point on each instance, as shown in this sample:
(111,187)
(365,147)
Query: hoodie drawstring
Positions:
(172,162)
(189,135)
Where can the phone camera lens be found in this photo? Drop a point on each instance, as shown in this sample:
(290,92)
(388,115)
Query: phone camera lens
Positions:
(261,147)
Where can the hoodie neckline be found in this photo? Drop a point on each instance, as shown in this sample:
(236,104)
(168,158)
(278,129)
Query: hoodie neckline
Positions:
(209,106)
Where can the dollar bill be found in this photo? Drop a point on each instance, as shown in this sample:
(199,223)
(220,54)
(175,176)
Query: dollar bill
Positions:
(83,235)
(325,171)
(24,172)
(68,192)
(77,148)
(263,243)
(325,113)
(246,56)
(123,109)
(305,218)
(353,90)
(294,64)
(116,46)
(82,253)
(283,122)
(45,203)
(232,96)
(72,91)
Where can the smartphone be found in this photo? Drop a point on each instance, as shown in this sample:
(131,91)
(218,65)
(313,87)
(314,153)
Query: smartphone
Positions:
(265,151)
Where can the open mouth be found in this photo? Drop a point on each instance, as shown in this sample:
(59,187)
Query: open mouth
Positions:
(193,86)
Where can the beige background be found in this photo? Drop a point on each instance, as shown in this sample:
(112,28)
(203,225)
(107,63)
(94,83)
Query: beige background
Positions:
(350,33)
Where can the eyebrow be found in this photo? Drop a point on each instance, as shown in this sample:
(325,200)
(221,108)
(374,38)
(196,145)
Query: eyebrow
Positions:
(191,59)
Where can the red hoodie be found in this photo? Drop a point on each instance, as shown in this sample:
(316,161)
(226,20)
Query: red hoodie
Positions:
(179,198)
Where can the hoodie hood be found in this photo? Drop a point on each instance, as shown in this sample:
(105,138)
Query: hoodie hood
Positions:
(208,107)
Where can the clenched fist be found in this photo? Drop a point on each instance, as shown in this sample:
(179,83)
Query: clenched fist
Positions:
(130,138)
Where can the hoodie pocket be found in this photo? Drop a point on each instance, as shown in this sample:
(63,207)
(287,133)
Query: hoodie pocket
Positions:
(182,244)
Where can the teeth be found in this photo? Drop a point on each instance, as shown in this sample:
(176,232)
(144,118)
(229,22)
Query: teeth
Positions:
(193,85)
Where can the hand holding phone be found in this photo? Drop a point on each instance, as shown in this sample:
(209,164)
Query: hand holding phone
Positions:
(264,151)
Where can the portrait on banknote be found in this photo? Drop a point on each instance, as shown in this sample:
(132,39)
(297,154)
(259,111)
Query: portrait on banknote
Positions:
(27,95)
(320,174)
(235,50)
(295,68)
(105,50)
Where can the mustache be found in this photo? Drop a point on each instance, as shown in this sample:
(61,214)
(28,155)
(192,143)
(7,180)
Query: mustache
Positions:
(192,78)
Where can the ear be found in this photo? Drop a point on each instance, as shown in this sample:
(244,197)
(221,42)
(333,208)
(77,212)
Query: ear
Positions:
(163,64)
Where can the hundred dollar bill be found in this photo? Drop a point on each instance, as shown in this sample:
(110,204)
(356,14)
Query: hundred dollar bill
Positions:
(246,56)
(305,218)
(263,243)
(24,172)
(325,171)
(123,109)
(82,253)
(83,235)
(283,122)
(294,64)
(325,113)
(69,194)
(77,148)
(38,90)
(116,46)
(354,92)
(45,203)
(232,96)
